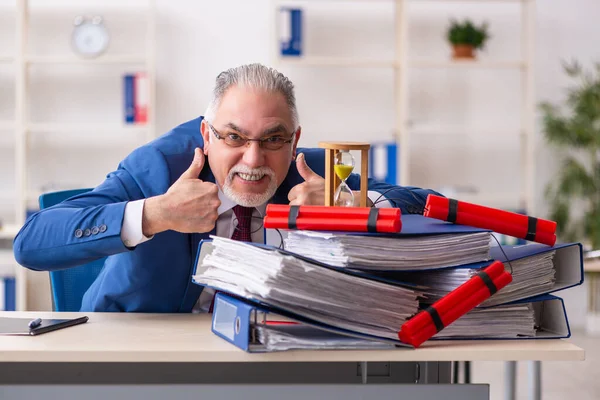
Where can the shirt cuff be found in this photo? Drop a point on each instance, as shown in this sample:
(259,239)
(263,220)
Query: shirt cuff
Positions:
(382,202)
(131,231)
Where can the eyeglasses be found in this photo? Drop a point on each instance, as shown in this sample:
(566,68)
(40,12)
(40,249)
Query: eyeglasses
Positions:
(274,142)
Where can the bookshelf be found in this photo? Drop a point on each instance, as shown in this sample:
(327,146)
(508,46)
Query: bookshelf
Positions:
(404,64)
(33,56)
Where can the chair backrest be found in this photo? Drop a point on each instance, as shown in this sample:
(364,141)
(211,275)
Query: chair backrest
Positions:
(69,285)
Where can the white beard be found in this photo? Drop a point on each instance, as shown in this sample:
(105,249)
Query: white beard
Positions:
(250,199)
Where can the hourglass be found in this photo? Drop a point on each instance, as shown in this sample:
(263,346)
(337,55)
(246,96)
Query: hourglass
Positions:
(343,165)
(339,164)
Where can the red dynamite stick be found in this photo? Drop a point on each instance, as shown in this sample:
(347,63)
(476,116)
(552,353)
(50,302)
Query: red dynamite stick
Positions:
(504,227)
(282,210)
(467,289)
(455,304)
(501,221)
(442,203)
(331,224)
(419,337)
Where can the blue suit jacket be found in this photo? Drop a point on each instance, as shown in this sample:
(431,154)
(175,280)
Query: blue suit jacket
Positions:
(155,276)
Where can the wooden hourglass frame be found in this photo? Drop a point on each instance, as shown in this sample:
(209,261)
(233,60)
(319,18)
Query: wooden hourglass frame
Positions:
(331,179)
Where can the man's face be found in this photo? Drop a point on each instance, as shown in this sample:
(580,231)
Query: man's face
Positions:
(250,174)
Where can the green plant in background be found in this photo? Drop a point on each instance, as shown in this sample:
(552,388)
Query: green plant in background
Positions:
(577,134)
(466,33)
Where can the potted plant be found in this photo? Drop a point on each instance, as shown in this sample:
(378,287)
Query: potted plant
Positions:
(465,38)
(576,133)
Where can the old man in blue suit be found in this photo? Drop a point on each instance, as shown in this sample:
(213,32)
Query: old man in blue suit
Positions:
(204,177)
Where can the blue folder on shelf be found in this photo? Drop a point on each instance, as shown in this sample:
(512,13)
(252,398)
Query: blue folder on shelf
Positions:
(245,324)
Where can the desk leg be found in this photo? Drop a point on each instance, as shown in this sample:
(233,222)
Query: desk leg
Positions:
(535,380)
(510,380)
(364,373)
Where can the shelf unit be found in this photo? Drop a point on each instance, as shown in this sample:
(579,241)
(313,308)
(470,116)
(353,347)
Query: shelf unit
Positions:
(24,129)
(402,64)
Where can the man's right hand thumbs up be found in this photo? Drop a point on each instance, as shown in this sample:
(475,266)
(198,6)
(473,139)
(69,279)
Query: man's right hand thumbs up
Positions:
(195,167)
(190,205)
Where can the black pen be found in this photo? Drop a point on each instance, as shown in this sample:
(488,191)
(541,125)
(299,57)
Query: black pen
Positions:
(35,323)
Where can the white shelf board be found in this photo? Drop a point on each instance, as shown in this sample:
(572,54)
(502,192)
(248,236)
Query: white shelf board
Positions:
(315,61)
(6,59)
(86,128)
(9,231)
(508,64)
(106,59)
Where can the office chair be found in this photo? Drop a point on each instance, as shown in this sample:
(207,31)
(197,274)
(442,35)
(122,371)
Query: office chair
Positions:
(69,285)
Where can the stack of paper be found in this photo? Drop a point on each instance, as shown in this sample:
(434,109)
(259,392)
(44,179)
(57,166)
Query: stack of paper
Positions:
(506,321)
(390,253)
(331,296)
(532,276)
(300,336)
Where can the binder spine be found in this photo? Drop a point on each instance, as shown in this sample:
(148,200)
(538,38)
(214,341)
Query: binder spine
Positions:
(129,98)
(141,98)
(290,31)
(8,294)
(232,321)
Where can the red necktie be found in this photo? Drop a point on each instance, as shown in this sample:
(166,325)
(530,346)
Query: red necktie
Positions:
(242,231)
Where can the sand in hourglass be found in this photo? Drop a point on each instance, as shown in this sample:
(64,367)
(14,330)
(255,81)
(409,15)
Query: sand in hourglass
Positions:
(343,171)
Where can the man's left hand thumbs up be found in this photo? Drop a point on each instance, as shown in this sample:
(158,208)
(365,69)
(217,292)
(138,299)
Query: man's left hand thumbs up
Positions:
(312,190)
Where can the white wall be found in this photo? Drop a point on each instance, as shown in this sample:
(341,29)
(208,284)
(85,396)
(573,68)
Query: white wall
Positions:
(198,39)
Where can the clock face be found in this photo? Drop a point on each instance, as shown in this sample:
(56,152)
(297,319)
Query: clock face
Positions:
(90,39)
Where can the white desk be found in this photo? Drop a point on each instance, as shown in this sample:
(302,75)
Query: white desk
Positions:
(127,337)
(120,344)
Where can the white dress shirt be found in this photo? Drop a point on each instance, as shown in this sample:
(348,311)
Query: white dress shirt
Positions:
(132,234)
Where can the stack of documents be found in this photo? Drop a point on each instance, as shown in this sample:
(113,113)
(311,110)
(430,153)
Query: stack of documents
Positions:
(257,327)
(301,336)
(506,321)
(321,293)
(532,275)
(366,252)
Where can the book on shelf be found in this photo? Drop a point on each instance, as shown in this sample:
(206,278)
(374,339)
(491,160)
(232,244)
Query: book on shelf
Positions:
(7,293)
(136,96)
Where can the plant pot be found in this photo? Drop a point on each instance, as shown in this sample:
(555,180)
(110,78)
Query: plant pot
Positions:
(463,51)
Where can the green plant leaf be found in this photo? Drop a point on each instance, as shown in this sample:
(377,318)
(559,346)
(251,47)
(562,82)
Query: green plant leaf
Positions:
(575,181)
(577,127)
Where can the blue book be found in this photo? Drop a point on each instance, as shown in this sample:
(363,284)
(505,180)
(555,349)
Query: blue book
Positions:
(129,98)
(255,327)
(290,31)
(8,298)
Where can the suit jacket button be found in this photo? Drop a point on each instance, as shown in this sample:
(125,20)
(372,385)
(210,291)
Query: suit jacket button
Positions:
(87,232)
(78,233)
(102,228)
(95,230)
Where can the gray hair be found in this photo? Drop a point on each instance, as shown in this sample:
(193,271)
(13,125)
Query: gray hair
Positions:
(255,76)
